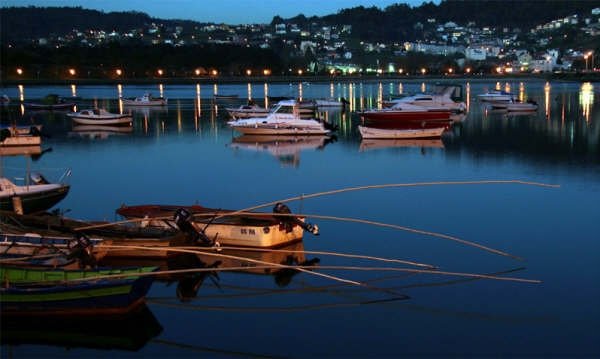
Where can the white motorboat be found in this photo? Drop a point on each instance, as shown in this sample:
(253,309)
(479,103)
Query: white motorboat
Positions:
(399,133)
(145,100)
(284,119)
(100,117)
(514,105)
(330,102)
(440,100)
(496,96)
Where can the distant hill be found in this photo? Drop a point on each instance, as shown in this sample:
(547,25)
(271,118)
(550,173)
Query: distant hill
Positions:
(396,22)
(21,23)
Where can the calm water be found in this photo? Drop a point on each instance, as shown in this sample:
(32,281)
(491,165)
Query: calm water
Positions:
(186,154)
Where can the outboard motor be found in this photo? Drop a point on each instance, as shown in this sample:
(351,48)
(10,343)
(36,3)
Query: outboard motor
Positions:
(290,221)
(37,178)
(183,221)
(330,126)
(81,249)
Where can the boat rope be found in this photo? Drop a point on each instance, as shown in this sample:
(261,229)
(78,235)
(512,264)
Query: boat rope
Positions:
(302,251)
(396,185)
(303,268)
(219,255)
(346,219)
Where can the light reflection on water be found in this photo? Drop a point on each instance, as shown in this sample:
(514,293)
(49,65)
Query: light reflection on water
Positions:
(185,153)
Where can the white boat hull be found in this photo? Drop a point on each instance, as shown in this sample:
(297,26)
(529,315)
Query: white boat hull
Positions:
(281,129)
(94,121)
(370,132)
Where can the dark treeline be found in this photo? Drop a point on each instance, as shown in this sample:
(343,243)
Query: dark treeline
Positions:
(397,22)
(27,23)
(140,60)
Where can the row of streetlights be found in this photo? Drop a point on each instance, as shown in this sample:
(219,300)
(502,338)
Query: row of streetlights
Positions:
(267,72)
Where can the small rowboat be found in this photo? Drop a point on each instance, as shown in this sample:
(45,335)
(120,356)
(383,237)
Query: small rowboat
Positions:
(146,100)
(100,117)
(400,133)
(39,291)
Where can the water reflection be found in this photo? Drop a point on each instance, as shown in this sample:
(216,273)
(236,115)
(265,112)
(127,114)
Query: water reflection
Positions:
(423,144)
(285,148)
(130,332)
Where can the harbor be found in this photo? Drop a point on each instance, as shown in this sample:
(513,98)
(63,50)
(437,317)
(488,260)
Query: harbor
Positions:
(384,243)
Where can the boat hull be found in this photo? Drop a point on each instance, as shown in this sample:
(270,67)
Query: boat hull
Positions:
(394,119)
(122,120)
(247,231)
(34,201)
(403,133)
(57,292)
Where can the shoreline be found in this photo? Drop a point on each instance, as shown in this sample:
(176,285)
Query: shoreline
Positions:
(568,77)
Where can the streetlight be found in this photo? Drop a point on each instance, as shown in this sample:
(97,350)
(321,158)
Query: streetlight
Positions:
(266,72)
(159,72)
(19,71)
(586,63)
(72,72)
(423,71)
(248,72)
(119,72)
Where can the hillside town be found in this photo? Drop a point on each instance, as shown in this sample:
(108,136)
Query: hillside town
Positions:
(508,50)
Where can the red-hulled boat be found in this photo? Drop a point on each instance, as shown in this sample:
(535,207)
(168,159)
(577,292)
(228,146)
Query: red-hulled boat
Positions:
(404,115)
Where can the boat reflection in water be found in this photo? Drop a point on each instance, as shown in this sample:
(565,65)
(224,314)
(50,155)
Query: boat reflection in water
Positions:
(209,263)
(130,332)
(373,144)
(285,148)
(99,131)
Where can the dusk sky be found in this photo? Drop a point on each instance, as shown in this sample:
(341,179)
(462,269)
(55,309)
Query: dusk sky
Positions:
(219,11)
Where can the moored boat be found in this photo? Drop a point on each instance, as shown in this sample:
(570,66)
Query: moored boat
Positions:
(440,100)
(400,133)
(145,100)
(285,119)
(100,117)
(251,230)
(38,194)
(39,291)
(12,136)
(50,102)
(496,95)
(402,115)
(247,111)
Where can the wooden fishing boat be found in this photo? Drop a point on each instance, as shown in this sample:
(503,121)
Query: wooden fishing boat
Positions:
(38,194)
(145,100)
(15,243)
(39,233)
(99,116)
(264,230)
(17,136)
(33,291)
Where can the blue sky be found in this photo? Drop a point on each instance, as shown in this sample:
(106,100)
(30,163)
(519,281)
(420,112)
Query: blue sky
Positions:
(218,11)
